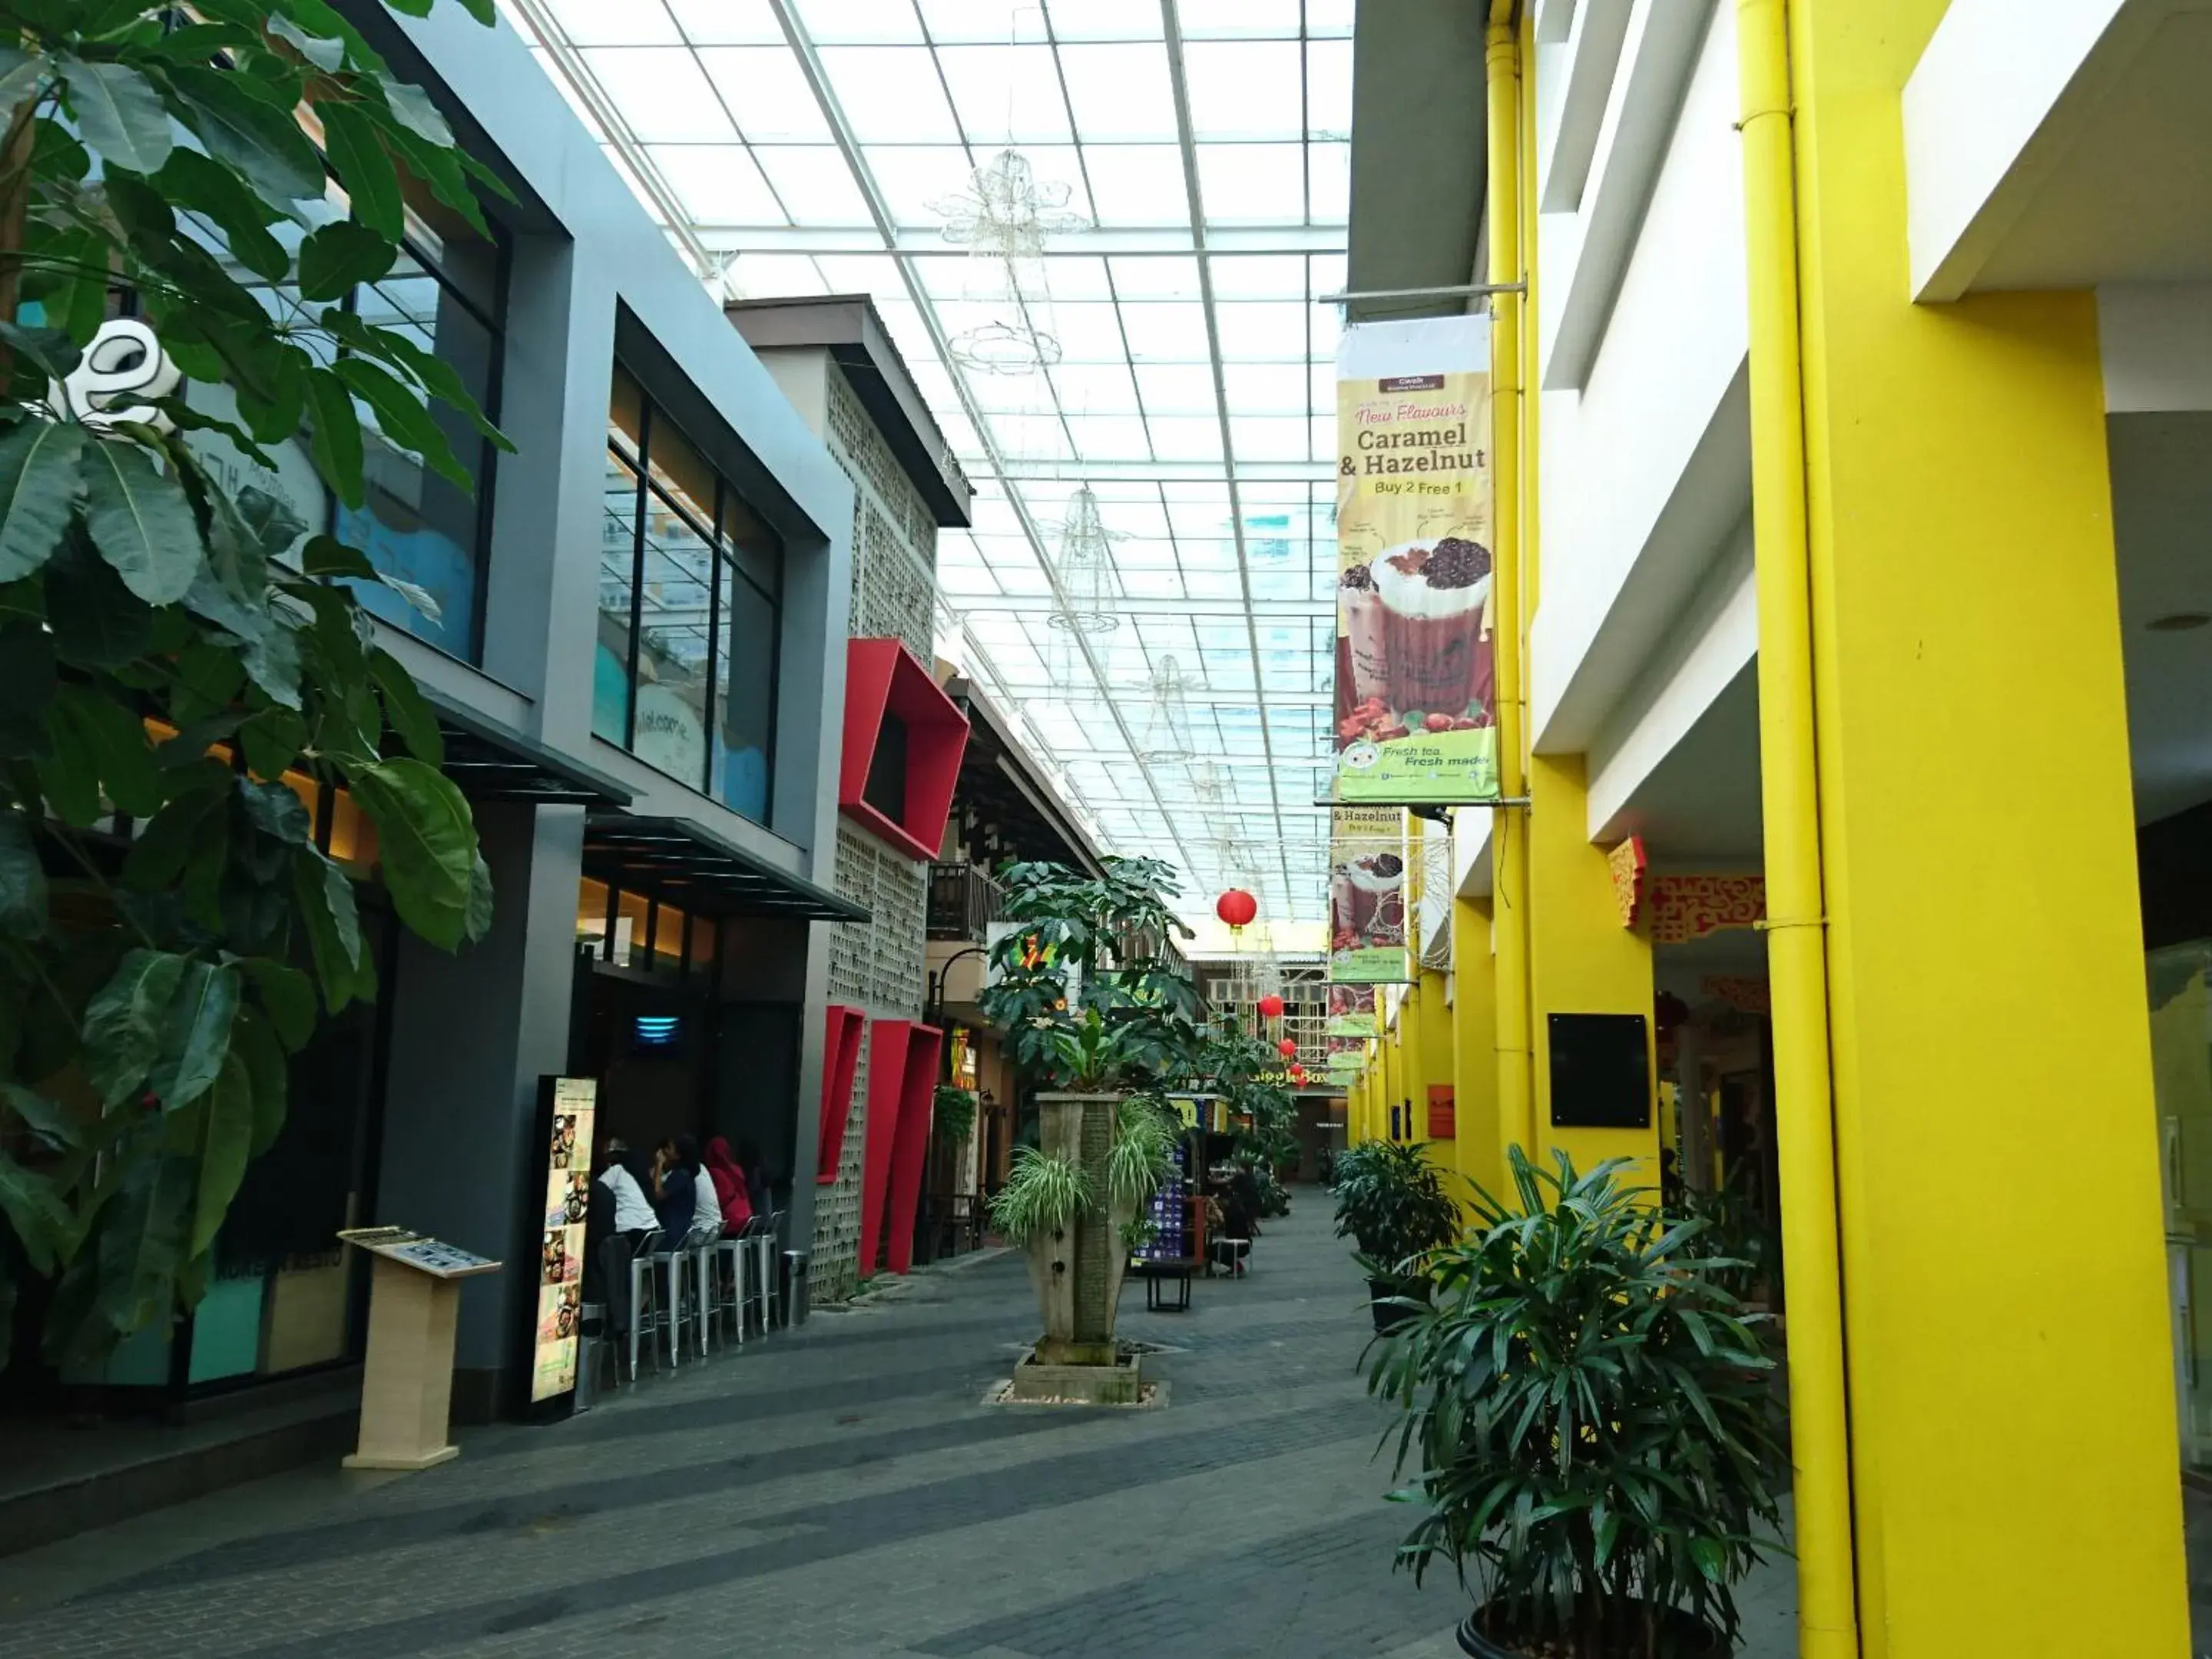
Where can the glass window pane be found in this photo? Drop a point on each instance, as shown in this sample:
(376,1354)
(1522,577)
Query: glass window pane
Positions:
(744,697)
(629,930)
(680,472)
(667,936)
(669,728)
(617,569)
(757,549)
(417,524)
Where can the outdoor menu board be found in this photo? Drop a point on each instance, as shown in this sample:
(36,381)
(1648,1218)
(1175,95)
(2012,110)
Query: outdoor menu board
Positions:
(574,1104)
(430,1255)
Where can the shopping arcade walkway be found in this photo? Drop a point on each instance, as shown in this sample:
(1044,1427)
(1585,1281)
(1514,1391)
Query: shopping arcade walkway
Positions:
(838,1490)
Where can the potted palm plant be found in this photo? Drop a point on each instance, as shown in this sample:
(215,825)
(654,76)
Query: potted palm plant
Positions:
(1391,1201)
(1095,1005)
(1600,1442)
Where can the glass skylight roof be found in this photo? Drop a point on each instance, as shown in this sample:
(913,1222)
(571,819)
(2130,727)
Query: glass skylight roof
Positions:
(1201,149)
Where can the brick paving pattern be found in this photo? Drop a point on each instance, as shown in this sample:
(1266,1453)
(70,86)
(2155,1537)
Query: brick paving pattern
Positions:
(840,1490)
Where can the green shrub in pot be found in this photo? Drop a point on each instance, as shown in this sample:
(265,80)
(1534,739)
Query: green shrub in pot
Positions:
(1391,1201)
(1594,1416)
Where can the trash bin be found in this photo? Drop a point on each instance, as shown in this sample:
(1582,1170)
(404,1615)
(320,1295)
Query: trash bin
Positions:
(794,1287)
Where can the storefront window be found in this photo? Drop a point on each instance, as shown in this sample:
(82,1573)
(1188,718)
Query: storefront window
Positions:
(446,294)
(2181,1061)
(416,526)
(685,677)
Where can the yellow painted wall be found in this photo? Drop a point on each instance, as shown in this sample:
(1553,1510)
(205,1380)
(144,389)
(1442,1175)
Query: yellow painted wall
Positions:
(1434,1031)
(2012,1406)
(1582,960)
(1475,1044)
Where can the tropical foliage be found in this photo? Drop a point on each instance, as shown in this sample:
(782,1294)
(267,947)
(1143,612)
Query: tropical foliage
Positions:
(1391,1201)
(177,653)
(1248,1073)
(1085,988)
(1594,1417)
(953,1113)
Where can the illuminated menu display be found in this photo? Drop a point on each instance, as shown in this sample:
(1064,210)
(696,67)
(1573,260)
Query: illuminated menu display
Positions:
(560,1257)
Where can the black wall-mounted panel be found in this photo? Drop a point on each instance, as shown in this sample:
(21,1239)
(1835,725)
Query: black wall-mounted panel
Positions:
(1601,1071)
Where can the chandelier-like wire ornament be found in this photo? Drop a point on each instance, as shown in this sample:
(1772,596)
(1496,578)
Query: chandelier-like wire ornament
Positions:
(1167,723)
(1005,212)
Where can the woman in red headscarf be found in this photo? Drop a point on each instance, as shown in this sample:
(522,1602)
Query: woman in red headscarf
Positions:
(729,1186)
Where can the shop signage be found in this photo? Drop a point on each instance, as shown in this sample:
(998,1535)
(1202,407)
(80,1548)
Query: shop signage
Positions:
(1443,1116)
(123,371)
(567,1192)
(1415,709)
(1368,943)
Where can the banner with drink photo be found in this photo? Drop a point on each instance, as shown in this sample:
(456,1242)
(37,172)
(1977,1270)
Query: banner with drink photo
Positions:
(1351,1011)
(1367,897)
(1415,715)
(1347,1054)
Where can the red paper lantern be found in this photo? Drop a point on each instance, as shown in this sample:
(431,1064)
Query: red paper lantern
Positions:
(1271,1005)
(1236,907)
(1297,1074)
(1287,1047)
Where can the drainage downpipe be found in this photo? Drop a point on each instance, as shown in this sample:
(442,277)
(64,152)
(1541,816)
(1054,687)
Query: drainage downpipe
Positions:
(1796,920)
(1516,1104)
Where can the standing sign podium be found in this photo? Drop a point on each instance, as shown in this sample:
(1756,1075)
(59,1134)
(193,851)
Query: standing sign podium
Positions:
(408,1382)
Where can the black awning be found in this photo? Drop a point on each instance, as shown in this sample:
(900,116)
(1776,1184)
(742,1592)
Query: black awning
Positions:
(680,861)
(492,762)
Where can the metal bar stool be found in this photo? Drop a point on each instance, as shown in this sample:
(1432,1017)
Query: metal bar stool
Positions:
(699,1250)
(759,1240)
(674,1314)
(729,1256)
(647,1314)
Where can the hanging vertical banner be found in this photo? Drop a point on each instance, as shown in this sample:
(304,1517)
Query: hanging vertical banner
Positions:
(1367,897)
(1346,1055)
(1415,720)
(1350,1013)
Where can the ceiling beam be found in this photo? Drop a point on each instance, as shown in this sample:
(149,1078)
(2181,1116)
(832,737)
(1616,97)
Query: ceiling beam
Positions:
(1179,84)
(1030,605)
(919,242)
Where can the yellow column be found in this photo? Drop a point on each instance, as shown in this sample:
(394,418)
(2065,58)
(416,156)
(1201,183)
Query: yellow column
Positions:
(1509,849)
(1582,960)
(2011,1417)
(1474,1045)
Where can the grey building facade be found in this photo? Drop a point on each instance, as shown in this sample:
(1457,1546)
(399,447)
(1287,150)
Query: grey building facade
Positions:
(599,313)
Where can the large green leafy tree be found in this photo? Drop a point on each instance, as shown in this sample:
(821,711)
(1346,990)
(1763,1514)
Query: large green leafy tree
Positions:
(1086,989)
(169,931)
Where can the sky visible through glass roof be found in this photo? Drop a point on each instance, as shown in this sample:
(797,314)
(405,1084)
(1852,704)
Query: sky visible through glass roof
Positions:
(1165,349)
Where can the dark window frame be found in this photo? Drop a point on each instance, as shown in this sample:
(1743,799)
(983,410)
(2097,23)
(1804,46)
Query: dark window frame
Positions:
(723,567)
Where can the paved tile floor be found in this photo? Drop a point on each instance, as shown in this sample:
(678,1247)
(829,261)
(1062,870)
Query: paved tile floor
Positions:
(839,1490)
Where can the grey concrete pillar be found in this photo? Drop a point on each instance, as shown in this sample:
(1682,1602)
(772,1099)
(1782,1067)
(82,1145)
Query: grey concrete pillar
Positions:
(471,1033)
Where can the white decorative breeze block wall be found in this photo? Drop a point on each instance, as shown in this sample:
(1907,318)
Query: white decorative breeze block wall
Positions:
(878,965)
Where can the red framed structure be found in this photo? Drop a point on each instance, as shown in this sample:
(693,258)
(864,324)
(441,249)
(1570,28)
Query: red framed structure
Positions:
(882,678)
(903,1061)
(840,1061)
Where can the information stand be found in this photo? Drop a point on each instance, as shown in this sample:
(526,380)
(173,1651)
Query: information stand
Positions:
(408,1382)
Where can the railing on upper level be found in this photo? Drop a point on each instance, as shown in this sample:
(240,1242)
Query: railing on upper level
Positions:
(962,899)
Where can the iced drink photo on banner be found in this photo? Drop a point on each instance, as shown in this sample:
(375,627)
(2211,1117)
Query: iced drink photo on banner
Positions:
(1415,720)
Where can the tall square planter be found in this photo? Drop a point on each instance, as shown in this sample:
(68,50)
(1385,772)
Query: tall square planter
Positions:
(1078,1272)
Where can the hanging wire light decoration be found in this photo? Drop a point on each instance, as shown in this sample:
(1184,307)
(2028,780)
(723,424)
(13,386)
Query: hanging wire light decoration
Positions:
(1005,212)
(1167,722)
(1082,574)
(1209,783)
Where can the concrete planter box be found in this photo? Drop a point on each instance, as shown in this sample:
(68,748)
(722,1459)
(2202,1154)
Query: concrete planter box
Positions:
(1077,1271)
(1118,1382)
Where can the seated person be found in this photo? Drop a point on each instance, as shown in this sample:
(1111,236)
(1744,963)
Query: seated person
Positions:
(675,1195)
(706,1206)
(730,1189)
(633,1213)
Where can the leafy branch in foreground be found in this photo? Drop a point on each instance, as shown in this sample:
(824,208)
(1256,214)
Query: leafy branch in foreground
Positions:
(176,655)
